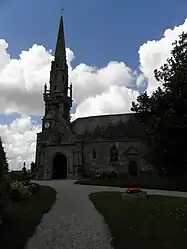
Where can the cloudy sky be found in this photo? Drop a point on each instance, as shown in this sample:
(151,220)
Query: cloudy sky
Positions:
(113,48)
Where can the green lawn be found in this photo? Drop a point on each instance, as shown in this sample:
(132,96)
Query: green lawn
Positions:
(156,222)
(23,217)
(151,182)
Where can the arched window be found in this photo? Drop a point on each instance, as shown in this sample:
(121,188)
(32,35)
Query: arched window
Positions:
(113,154)
(94,155)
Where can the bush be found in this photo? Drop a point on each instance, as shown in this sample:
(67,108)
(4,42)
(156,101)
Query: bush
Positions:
(34,187)
(20,191)
(4,196)
(15,195)
(113,174)
(16,176)
(109,175)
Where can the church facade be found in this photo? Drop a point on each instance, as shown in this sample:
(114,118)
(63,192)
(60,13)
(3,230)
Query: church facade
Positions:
(64,149)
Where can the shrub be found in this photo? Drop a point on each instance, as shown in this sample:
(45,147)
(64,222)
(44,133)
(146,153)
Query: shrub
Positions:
(15,195)
(34,187)
(17,192)
(20,191)
(110,174)
(113,174)
(101,173)
(4,196)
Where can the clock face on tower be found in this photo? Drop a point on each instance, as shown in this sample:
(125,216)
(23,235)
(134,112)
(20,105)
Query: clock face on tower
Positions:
(47,125)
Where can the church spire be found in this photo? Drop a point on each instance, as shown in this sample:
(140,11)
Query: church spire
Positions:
(60,45)
(57,99)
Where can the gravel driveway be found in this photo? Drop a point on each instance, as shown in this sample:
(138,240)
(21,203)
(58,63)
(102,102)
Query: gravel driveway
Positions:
(73,222)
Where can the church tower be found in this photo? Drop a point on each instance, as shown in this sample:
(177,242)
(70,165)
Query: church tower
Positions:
(58,99)
(54,148)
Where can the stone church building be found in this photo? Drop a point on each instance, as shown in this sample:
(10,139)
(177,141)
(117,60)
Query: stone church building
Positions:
(64,149)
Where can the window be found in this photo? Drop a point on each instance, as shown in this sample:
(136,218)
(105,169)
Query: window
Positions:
(113,154)
(55,88)
(63,77)
(56,65)
(94,155)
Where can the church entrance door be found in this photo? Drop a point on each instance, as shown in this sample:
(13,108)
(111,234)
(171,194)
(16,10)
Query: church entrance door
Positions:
(59,167)
(133,168)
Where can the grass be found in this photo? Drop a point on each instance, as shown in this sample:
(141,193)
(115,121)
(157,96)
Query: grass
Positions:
(23,217)
(156,222)
(151,182)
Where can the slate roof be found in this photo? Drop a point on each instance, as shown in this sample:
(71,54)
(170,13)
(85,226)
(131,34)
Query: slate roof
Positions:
(119,126)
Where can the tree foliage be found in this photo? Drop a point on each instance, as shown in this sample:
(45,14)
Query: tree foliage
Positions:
(164,113)
(4,183)
(3,160)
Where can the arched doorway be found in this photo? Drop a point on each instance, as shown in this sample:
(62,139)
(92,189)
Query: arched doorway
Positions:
(59,167)
(133,168)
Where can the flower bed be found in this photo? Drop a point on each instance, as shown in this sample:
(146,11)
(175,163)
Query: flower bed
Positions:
(133,193)
(133,190)
(19,190)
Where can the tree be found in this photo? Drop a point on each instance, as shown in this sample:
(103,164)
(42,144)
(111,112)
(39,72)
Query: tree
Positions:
(164,113)
(3,160)
(4,183)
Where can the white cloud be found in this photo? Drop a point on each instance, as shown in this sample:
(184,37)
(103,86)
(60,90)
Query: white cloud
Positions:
(95,90)
(110,101)
(22,80)
(89,81)
(153,54)
(19,140)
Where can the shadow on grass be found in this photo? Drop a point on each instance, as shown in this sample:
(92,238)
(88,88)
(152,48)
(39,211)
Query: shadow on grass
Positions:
(23,217)
(157,222)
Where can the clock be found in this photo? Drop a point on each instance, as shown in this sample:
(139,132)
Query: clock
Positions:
(47,125)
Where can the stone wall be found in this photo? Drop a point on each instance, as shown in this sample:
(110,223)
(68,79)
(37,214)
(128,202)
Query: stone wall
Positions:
(129,149)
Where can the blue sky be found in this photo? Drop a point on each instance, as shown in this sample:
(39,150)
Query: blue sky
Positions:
(98,31)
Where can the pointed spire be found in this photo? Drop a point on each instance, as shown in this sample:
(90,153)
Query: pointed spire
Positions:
(60,46)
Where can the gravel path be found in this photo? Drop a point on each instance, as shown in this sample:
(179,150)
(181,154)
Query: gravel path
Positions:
(73,222)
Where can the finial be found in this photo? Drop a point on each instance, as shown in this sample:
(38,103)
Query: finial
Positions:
(62,11)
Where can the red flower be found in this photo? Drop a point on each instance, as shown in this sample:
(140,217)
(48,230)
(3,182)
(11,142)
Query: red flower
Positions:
(133,189)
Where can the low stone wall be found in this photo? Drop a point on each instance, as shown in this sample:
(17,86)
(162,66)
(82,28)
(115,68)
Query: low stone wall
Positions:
(132,196)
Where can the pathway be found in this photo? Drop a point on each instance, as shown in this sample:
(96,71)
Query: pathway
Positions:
(73,222)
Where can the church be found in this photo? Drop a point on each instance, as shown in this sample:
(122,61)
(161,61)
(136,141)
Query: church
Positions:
(65,149)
